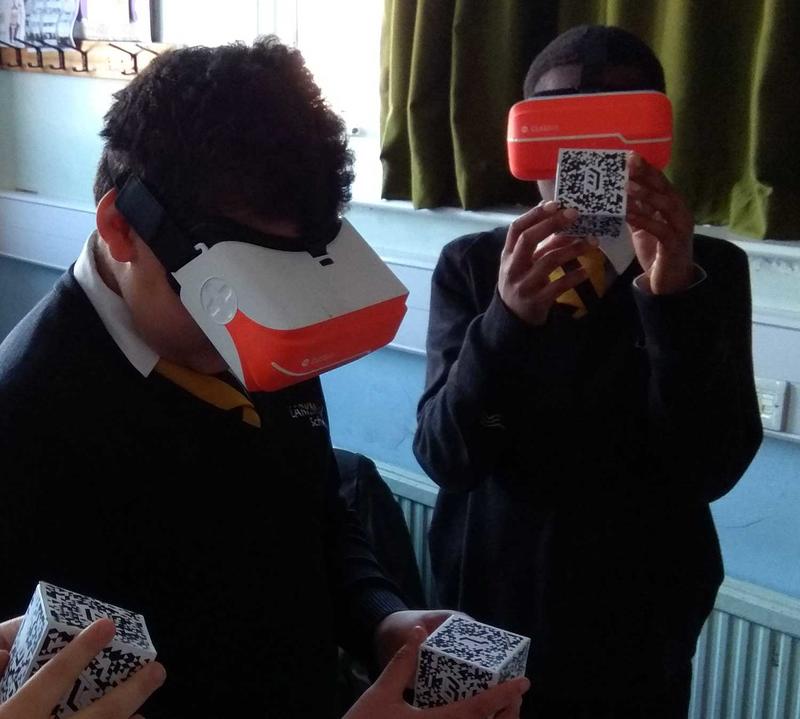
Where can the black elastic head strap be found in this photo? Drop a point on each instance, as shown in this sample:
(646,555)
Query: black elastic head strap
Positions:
(595,58)
(563,91)
(145,214)
(221,229)
(175,247)
(593,65)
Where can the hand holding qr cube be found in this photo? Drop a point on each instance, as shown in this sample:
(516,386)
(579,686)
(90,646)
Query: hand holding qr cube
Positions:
(54,617)
(463,658)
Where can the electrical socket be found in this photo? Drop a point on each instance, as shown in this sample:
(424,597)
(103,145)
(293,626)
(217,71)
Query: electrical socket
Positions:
(772,402)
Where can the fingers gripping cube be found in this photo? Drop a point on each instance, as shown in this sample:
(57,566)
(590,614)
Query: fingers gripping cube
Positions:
(54,617)
(464,657)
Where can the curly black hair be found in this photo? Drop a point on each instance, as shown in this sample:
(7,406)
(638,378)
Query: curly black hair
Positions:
(231,128)
(573,47)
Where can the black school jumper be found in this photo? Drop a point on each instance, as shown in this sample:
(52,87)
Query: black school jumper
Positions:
(576,463)
(230,540)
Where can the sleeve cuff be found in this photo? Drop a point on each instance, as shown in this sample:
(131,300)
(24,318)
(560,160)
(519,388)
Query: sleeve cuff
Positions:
(369,605)
(503,331)
(642,282)
(375,604)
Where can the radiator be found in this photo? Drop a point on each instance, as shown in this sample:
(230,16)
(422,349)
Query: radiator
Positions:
(747,664)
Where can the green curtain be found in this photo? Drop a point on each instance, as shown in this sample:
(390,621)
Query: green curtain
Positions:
(452,68)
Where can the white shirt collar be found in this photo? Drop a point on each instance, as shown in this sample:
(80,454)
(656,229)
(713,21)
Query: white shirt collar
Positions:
(619,250)
(112,310)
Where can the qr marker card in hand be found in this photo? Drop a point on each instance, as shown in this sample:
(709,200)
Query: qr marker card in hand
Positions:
(53,619)
(594,183)
(464,657)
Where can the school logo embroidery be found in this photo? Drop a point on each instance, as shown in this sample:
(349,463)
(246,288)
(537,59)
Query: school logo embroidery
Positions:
(313,411)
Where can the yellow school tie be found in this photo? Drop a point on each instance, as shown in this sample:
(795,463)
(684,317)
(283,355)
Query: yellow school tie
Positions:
(586,294)
(209,389)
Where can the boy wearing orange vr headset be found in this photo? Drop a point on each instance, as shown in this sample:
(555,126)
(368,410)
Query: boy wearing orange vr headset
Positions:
(576,471)
(142,460)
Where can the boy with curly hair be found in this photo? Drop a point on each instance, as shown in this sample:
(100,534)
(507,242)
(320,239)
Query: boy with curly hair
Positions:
(138,470)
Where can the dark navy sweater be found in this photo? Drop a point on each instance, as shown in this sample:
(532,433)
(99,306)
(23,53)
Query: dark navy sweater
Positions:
(577,461)
(230,540)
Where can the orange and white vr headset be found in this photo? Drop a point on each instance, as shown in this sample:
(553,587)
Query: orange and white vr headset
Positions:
(639,120)
(279,310)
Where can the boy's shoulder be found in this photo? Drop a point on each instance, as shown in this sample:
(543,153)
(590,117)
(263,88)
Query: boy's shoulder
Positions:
(716,250)
(55,350)
(477,248)
(725,263)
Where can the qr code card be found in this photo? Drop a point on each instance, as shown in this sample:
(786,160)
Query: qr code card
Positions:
(54,617)
(594,183)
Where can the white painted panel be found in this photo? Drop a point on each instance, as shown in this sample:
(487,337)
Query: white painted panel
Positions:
(43,233)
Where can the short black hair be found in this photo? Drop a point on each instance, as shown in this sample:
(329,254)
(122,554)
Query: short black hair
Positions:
(576,45)
(231,128)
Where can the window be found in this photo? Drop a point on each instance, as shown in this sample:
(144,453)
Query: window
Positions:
(207,22)
(340,40)
(341,43)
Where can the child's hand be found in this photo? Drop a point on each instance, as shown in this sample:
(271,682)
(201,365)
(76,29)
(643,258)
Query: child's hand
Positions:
(43,691)
(532,251)
(663,228)
(8,632)
(384,698)
(395,630)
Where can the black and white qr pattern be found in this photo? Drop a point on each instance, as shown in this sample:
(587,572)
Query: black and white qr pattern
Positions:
(78,610)
(597,225)
(54,642)
(25,649)
(442,679)
(516,665)
(464,657)
(593,182)
(38,641)
(472,641)
(108,670)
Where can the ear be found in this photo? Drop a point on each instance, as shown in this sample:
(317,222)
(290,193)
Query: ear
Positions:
(114,229)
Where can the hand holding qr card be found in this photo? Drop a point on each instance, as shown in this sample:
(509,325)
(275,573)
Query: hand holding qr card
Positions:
(594,182)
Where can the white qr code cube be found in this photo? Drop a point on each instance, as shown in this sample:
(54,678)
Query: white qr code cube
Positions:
(594,182)
(54,617)
(463,658)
